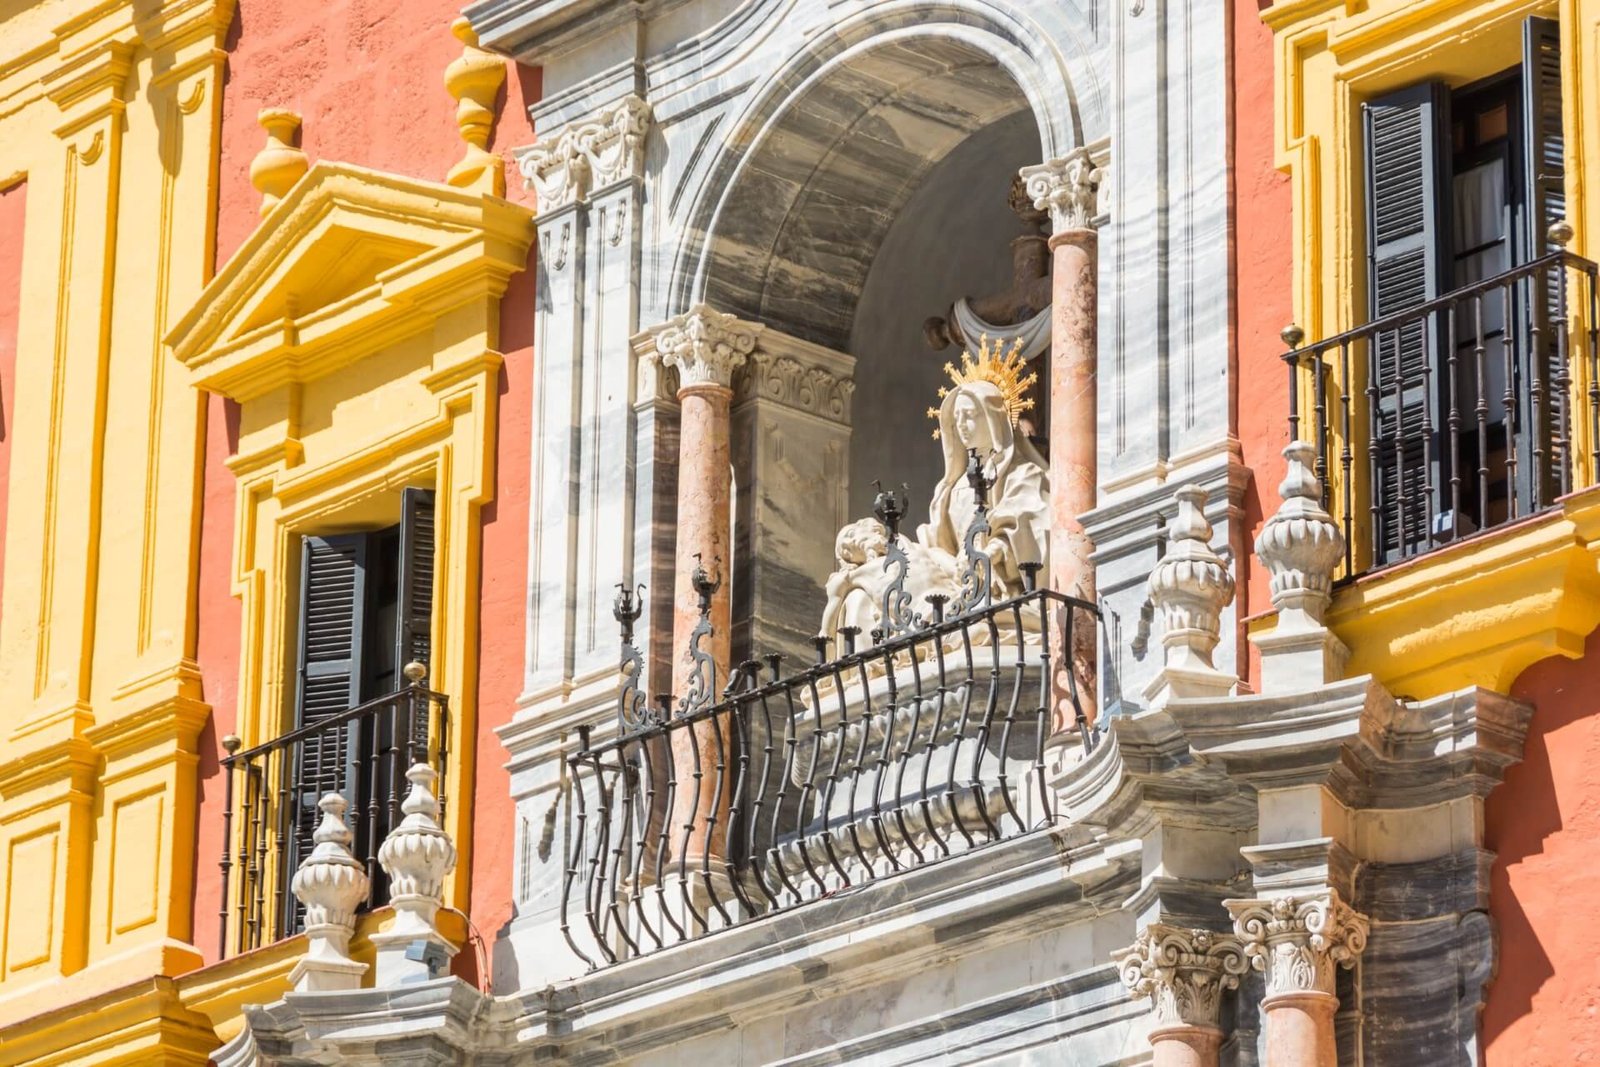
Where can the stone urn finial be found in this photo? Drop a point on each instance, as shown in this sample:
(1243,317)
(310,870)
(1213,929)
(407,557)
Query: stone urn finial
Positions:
(1189,588)
(331,883)
(280,163)
(416,855)
(1300,545)
(474,79)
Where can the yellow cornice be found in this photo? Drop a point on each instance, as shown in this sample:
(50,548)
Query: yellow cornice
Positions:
(144,1022)
(65,769)
(272,316)
(1479,612)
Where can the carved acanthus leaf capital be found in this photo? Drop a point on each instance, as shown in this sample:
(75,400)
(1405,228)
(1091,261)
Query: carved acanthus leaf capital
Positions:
(705,346)
(1067,188)
(1299,942)
(588,154)
(1183,971)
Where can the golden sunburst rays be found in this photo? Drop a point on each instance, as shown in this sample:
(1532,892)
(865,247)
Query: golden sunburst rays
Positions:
(1002,367)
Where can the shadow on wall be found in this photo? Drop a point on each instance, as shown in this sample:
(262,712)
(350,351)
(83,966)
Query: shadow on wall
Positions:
(1544,826)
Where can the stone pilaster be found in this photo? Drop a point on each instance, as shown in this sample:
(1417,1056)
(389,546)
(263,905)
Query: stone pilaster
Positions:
(1300,546)
(331,883)
(1189,588)
(1185,973)
(1067,189)
(1299,942)
(416,855)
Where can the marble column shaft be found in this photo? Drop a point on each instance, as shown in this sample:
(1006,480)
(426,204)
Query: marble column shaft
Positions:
(1066,189)
(706,347)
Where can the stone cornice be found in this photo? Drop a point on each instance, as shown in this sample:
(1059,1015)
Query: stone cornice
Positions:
(1183,971)
(798,375)
(590,154)
(1299,942)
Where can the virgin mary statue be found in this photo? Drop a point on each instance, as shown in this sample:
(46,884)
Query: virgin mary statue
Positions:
(976,417)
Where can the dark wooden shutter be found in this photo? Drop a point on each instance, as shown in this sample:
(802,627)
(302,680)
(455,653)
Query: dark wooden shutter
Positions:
(415,608)
(1407,165)
(1545,178)
(332,608)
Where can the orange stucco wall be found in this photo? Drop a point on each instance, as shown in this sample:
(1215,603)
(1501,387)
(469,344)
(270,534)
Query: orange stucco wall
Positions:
(1543,824)
(1263,215)
(13,202)
(367,77)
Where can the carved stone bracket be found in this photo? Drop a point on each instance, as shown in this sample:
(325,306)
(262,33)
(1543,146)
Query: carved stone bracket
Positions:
(1067,188)
(705,346)
(1298,942)
(1183,971)
(590,154)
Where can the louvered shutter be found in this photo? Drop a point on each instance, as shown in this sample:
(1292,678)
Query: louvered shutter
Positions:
(332,605)
(1545,176)
(415,609)
(1407,157)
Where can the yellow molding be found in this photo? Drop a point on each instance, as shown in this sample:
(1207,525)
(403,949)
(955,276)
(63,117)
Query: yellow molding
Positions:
(145,1023)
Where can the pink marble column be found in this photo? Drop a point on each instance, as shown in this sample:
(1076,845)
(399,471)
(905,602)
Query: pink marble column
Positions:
(1299,943)
(1066,188)
(705,347)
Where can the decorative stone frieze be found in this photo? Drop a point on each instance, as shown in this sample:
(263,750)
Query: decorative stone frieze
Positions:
(1189,588)
(1300,546)
(1067,188)
(280,163)
(331,883)
(1183,971)
(474,79)
(800,386)
(1298,942)
(416,855)
(591,154)
(705,346)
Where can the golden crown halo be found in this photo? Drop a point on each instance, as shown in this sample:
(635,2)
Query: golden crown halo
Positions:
(1002,367)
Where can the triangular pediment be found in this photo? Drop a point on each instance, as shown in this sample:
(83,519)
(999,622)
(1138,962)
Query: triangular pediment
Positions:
(336,266)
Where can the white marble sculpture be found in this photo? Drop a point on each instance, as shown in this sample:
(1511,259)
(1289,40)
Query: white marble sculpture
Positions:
(978,414)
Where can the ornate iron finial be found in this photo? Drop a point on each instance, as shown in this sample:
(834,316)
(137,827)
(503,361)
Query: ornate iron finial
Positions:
(978,478)
(890,507)
(1030,575)
(415,672)
(231,743)
(977,568)
(1292,335)
(820,644)
(703,676)
(849,634)
(705,586)
(1560,232)
(775,665)
(632,714)
(937,601)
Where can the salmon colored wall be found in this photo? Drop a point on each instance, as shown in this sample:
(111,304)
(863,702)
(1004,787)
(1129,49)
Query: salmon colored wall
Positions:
(13,203)
(1263,214)
(367,77)
(1543,824)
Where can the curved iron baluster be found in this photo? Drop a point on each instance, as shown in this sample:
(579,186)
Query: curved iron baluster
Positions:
(977,569)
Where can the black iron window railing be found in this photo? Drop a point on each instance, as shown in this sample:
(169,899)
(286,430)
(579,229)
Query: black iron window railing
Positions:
(786,789)
(1456,416)
(270,795)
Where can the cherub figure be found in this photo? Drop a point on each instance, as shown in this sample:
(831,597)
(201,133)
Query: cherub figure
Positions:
(855,589)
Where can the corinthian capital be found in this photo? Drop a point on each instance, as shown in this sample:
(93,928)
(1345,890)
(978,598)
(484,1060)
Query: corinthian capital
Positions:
(1298,942)
(1183,971)
(1066,188)
(587,154)
(706,346)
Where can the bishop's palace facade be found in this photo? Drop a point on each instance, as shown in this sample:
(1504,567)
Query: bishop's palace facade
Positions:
(799,532)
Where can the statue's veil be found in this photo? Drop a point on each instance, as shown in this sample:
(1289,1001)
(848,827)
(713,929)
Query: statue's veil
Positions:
(1011,448)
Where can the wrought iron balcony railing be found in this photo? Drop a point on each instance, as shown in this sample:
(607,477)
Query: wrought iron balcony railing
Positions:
(1457,415)
(270,795)
(926,745)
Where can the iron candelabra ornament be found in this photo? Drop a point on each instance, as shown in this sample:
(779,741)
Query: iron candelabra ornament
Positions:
(633,713)
(895,608)
(977,569)
(702,687)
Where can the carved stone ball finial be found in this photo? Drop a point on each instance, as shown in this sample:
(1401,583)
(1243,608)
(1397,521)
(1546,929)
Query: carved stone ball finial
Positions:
(416,855)
(474,79)
(280,163)
(1190,586)
(331,883)
(1300,545)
